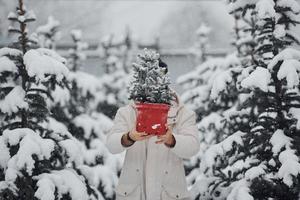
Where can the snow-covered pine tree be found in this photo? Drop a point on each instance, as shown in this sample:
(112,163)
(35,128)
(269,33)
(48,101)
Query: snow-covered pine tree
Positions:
(38,158)
(264,163)
(201,45)
(219,110)
(76,109)
(213,91)
(49,33)
(116,54)
(210,113)
(76,54)
(150,83)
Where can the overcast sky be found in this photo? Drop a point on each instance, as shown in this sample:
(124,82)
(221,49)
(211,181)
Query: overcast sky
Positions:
(173,21)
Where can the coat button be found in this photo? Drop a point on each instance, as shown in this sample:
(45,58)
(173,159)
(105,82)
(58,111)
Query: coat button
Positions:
(177,196)
(125,193)
(166,172)
(137,170)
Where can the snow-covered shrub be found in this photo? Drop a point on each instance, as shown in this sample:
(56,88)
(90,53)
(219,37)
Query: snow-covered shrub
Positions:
(216,75)
(261,161)
(38,158)
(48,33)
(200,48)
(117,55)
(76,107)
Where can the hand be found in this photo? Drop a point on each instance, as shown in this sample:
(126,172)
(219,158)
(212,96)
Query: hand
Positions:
(168,139)
(138,136)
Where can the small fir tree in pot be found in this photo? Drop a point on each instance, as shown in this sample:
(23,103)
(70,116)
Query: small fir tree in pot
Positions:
(150,90)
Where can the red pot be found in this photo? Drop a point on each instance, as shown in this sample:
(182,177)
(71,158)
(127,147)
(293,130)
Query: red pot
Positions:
(152,118)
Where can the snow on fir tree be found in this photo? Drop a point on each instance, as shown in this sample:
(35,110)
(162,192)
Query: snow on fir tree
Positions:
(210,90)
(76,54)
(116,54)
(150,82)
(77,110)
(198,86)
(48,33)
(201,45)
(262,161)
(38,160)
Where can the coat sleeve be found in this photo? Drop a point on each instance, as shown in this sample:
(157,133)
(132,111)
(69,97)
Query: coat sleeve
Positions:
(120,127)
(187,138)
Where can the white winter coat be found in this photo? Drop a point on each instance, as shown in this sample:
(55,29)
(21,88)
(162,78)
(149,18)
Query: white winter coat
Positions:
(162,173)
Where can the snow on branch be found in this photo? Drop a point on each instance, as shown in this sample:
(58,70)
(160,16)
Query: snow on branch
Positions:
(6,65)
(222,147)
(259,78)
(30,143)
(40,63)
(10,52)
(265,9)
(13,101)
(64,181)
(290,166)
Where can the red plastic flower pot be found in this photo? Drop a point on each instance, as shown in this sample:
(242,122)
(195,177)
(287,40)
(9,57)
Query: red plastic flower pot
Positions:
(152,118)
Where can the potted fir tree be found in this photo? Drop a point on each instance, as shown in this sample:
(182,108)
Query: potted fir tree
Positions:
(150,90)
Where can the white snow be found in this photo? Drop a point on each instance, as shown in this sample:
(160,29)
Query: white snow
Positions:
(52,54)
(255,172)
(222,147)
(280,140)
(4,154)
(289,68)
(7,65)
(40,63)
(10,52)
(240,164)
(95,122)
(51,24)
(259,78)
(13,101)
(101,174)
(21,18)
(292,4)
(240,4)
(12,15)
(118,82)
(87,83)
(73,150)
(279,31)
(77,34)
(213,118)
(290,166)
(203,30)
(66,181)
(201,185)
(289,71)
(295,112)
(31,143)
(60,96)
(220,82)
(265,9)
(240,191)
(46,190)
(60,131)
(286,54)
